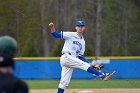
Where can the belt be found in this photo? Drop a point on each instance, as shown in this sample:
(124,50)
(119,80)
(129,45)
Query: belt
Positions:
(67,53)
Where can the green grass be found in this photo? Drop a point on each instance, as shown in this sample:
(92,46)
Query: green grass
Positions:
(85,83)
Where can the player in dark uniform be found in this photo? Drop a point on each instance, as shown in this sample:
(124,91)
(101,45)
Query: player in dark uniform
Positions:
(8,82)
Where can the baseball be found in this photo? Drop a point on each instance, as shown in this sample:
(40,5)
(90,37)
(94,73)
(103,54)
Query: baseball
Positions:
(50,24)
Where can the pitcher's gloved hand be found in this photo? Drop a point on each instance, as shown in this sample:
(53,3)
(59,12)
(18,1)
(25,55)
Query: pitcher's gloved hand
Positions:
(97,66)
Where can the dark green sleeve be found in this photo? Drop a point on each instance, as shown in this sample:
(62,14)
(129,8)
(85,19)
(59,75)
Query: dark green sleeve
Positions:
(22,87)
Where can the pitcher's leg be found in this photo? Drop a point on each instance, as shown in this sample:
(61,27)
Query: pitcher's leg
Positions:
(94,71)
(85,66)
(77,63)
(66,74)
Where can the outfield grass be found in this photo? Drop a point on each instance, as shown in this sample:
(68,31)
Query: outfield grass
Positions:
(85,83)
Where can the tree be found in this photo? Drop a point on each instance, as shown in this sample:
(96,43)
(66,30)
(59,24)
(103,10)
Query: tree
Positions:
(99,27)
(44,29)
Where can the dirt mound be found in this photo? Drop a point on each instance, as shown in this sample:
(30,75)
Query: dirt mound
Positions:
(116,90)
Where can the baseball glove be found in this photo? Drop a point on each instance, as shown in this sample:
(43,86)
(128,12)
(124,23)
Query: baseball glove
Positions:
(97,66)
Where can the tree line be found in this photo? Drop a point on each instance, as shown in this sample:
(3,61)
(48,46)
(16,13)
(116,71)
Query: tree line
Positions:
(112,26)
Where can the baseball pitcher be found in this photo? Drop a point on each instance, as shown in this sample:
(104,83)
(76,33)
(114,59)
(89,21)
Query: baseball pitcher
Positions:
(73,54)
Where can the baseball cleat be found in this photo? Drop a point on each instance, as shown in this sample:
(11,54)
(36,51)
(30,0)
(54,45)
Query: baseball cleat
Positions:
(106,76)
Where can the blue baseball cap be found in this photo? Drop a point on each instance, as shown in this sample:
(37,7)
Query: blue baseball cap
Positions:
(80,23)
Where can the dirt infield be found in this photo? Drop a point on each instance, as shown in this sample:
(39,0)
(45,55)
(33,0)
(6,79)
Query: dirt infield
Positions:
(87,90)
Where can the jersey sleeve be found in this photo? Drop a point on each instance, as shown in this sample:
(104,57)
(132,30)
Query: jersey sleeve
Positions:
(63,35)
(66,35)
(83,58)
(57,34)
(22,87)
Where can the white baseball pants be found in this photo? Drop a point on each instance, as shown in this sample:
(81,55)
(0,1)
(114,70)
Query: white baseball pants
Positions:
(68,62)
